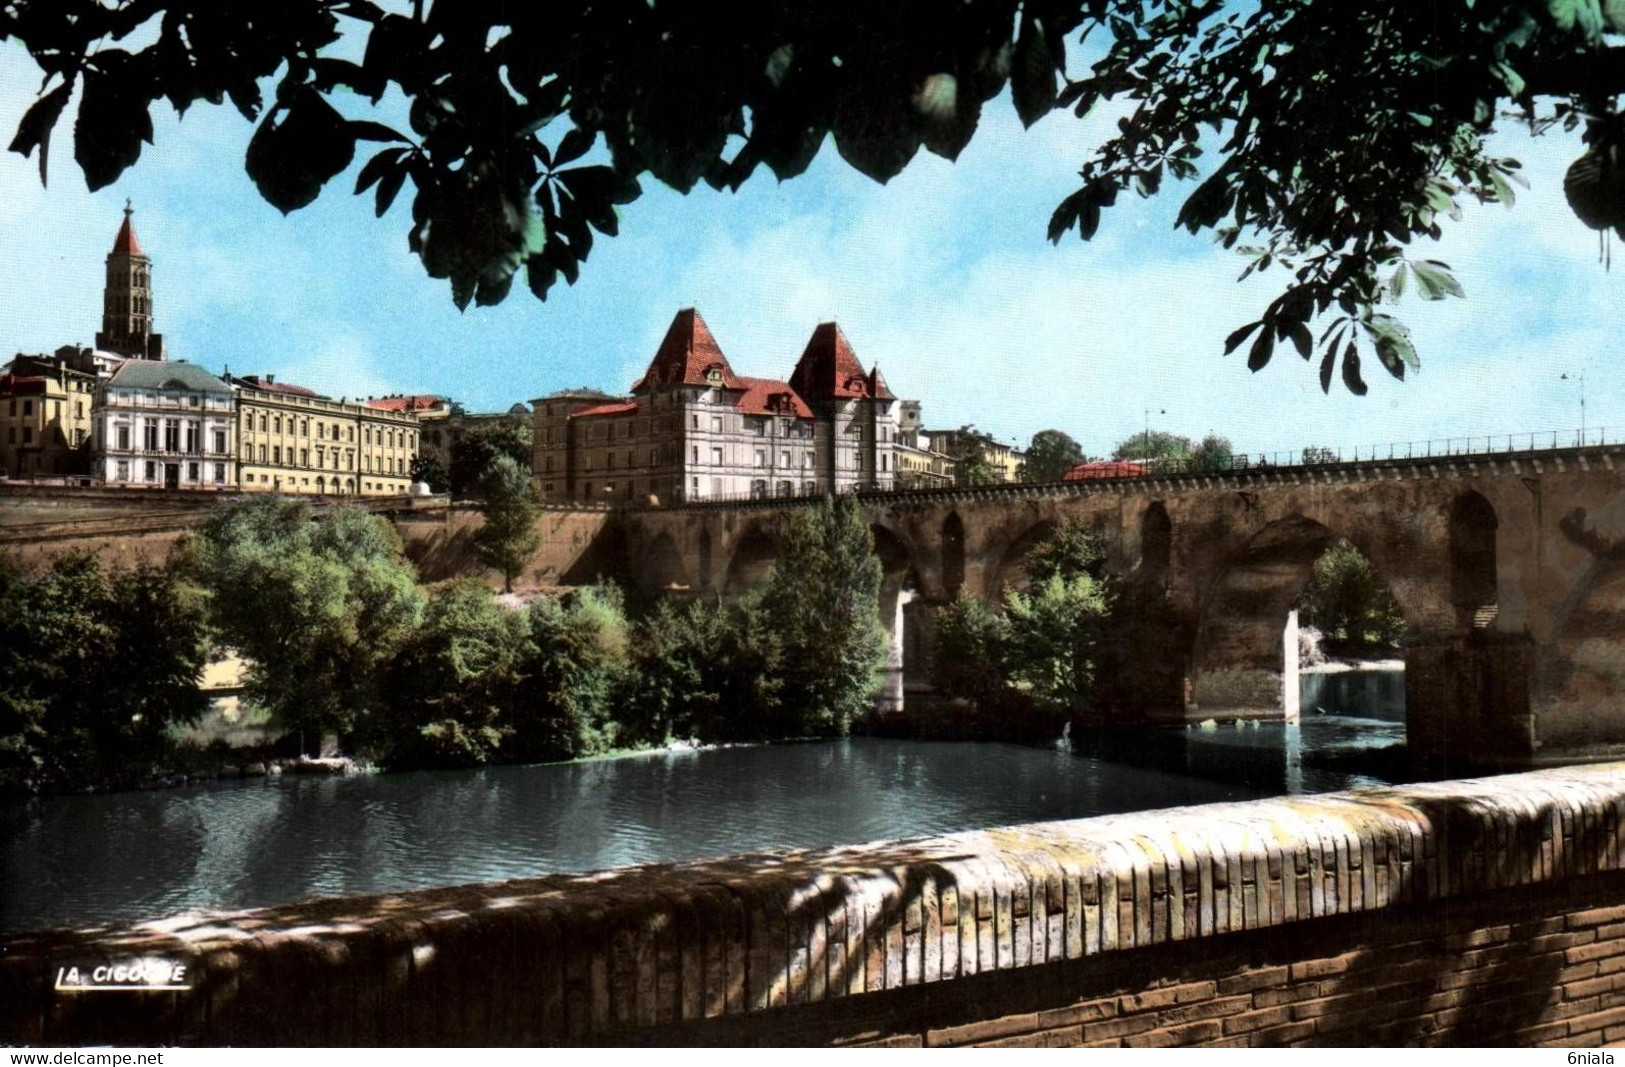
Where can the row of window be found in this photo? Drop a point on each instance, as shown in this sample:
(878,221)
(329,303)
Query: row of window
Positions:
(173,439)
(276,454)
(322,483)
(387,438)
(153,472)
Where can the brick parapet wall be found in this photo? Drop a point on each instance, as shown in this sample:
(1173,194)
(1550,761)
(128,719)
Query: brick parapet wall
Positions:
(1479,910)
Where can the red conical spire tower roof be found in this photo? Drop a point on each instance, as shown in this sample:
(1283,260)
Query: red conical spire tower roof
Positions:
(828,367)
(125,243)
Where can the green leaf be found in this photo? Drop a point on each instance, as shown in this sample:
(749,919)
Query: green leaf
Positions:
(1233,342)
(1434,280)
(376,167)
(292,159)
(388,186)
(1328,362)
(1396,283)
(1302,339)
(1351,370)
(1032,74)
(37,123)
(1263,348)
(112,123)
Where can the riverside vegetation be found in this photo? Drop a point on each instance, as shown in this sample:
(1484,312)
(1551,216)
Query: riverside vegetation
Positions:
(342,639)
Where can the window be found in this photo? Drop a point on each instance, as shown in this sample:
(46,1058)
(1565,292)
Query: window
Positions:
(262,422)
(276,424)
(123,470)
(759,426)
(786,489)
(191,439)
(304,427)
(758,489)
(321,430)
(195,401)
(716,457)
(191,472)
(304,457)
(78,409)
(806,459)
(152,471)
(883,458)
(784,459)
(124,439)
(366,436)
(262,453)
(761,458)
(716,424)
(693,420)
(28,407)
(276,453)
(172,436)
(220,440)
(321,456)
(28,435)
(150,432)
(694,454)
(219,474)
(352,433)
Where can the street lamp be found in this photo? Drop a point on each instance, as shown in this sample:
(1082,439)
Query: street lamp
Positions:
(1147,414)
(1582,378)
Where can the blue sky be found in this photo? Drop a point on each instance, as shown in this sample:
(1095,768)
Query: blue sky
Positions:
(943,276)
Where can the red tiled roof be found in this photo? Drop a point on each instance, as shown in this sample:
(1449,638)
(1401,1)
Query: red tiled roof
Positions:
(686,354)
(19,385)
(125,243)
(768,396)
(829,368)
(416,402)
(627,407)
(267,386)
(1104,468)
(877,385)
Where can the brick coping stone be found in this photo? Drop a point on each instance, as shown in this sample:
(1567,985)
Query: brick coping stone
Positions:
(568,956)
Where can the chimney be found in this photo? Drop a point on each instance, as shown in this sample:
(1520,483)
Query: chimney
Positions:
(270,379)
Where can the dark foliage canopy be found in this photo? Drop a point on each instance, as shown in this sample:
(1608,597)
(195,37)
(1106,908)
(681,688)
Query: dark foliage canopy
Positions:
(1322,138)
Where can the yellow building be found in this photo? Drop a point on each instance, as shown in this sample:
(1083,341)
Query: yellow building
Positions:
(45,417)
(292,440)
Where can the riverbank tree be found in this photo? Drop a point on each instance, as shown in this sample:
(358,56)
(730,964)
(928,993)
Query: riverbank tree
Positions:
(318,608)
(1040,650)
(510,507)
(823,600)
(97,670)
(1350,604)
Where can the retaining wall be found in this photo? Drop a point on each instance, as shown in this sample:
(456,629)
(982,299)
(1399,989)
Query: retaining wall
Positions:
(1488,912)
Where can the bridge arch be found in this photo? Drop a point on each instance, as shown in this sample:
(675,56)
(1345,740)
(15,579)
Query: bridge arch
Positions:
(1240,662)
(1473,581)
(753,556)
(1156,544)
(1011,572)
(665,567)
(953,554)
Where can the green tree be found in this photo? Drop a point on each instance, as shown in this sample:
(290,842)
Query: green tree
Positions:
(970,449)
(429,470)
(1213,455)
(451,694)
(1350,604)
(319,608)
(1332,135)
(573,682)
(1050,455)
(511,508)
(1053,634)
(967,651)
(823,600)
(1072,551)
(474,452)
(1156,445)
(97,670)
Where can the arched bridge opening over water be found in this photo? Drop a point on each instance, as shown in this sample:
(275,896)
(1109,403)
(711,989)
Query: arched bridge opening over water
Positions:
(1509,568)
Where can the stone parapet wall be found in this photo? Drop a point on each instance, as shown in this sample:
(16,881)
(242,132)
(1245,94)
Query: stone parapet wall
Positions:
(1488,911)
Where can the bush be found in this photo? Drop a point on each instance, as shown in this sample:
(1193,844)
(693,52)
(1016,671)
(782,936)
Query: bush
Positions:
(968,640)
(1346,600)
(574,678)
(97,670)
(454,687)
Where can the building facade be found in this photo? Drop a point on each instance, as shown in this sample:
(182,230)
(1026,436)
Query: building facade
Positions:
(164,425)
(693,429)
(45,417)
(923,462)
(293,440)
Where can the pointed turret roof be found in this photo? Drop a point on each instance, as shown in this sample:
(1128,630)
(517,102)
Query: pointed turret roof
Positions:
(877,385)
(829,368)
(125,243)
(687,355)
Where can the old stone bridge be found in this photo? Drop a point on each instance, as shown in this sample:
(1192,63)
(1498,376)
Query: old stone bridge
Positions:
(1510,569)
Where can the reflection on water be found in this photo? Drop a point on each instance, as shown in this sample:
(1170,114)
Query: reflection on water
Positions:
(130,856)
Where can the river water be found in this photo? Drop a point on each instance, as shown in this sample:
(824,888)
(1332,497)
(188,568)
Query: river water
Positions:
(92,860)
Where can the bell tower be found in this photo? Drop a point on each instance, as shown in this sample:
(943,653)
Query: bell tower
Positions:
(127,299)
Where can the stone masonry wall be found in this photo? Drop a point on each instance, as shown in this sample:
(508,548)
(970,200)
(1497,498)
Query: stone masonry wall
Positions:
(1486,911)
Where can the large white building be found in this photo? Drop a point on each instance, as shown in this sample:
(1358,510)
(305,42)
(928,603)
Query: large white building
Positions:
(164,424)
(693,429)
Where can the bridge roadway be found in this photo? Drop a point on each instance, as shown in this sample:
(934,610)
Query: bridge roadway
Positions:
(1509,567)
